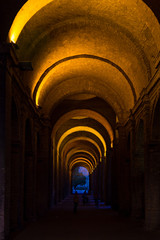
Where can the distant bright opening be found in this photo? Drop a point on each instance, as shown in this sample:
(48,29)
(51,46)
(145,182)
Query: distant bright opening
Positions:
(80,180)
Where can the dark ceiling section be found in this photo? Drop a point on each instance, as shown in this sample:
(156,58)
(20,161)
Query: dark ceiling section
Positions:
(8,11)
(85,144)
(95,104)
(155,6)
(84,122)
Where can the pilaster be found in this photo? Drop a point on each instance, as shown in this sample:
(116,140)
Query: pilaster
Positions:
(121,155)
(5,133)
(152,211)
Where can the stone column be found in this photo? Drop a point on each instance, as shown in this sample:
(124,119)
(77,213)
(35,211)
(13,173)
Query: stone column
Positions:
(152,172)
(100,180)
(5,135)
(108,176)
(2,137)
(104,179)
(95,179)
(115,180)
(152,194)
(60,173)
(15,185)
(64,184)
(35,164)
(57,177)
(55,173)
(43,177)
(135,198)
(121,155)
(51,177)
(21,166)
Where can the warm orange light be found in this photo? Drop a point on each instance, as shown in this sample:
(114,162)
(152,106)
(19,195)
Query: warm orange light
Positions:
(77,139)
(84,151)
(82,160)
(80,129)
(85,113)
(24,15)
(31,7)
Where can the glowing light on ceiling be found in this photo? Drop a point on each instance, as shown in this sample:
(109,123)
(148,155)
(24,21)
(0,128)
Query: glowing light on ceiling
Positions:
(23,16)
(69,155)
(82,129)
(78,117)
(74,140)
(80,161)
(85,113)
(31,7)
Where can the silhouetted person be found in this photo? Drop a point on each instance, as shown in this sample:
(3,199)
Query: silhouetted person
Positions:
(75,202)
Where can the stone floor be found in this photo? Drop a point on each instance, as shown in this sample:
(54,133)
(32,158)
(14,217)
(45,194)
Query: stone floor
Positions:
(88,224)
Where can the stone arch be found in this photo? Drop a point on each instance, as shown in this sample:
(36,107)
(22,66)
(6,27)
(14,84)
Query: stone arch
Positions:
(107,61)
(67,146)
(89,113)
(74,169)
(81,161)
(80,129)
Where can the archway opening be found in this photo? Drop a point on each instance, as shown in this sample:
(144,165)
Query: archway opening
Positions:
(80,180)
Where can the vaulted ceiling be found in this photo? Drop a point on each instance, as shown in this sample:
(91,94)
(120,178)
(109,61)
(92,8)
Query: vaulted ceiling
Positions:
(91,60)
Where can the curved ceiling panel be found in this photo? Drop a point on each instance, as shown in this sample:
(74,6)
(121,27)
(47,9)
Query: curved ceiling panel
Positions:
(78,153)
(107,48)
(79,129)
(133,15)
(94,86)
(84,113)
(114,46)
(81,142)
(86,67)
(82,162)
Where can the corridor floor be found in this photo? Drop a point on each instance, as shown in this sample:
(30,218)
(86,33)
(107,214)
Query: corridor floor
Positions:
(88,224)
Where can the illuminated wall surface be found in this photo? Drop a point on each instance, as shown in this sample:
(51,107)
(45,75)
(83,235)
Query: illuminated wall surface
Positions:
(80,175)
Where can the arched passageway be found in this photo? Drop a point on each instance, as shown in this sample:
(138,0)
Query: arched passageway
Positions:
(80,180)
(85,82)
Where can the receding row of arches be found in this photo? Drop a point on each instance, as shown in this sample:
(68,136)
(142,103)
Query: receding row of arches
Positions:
(79,85)
(32,175)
